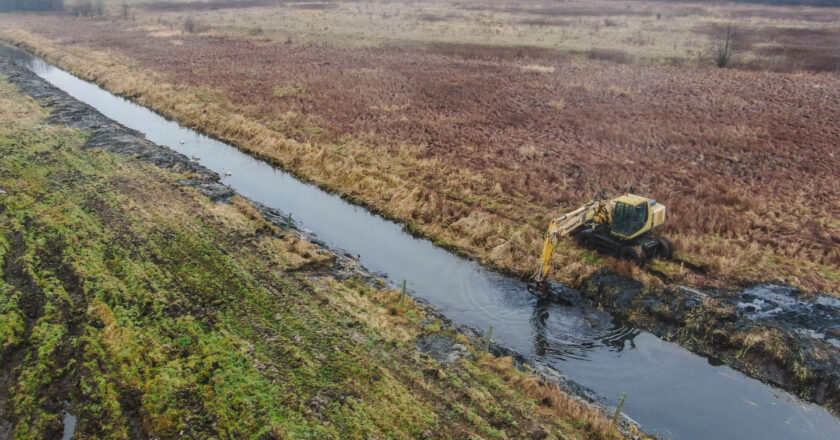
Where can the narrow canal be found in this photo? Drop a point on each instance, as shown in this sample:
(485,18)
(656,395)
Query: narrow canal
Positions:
(671,391)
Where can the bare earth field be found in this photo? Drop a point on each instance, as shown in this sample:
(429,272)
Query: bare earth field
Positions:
(476,122)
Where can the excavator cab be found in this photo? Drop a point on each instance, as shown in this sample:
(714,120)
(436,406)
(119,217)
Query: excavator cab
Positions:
(634,216)
(629,220)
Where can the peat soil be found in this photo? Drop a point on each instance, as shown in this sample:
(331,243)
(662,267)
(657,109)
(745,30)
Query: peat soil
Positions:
(771,332)
(775,333)
(108,135)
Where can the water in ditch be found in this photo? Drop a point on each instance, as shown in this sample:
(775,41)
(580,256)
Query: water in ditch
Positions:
(671,392)
(69,423)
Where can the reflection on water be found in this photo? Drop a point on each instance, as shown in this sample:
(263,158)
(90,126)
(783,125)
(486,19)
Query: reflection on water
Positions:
(564,333)
(670,390)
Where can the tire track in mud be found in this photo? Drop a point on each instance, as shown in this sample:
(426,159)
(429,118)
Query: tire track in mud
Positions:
(32,304)
(70,354)
(52,262)
(55,394)
(73,314)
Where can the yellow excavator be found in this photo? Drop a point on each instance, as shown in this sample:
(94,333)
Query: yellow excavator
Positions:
(622,226)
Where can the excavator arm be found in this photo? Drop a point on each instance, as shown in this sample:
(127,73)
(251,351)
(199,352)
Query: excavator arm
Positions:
(622,225)
(597,210)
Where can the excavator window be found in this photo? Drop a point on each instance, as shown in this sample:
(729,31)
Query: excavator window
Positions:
(629,219)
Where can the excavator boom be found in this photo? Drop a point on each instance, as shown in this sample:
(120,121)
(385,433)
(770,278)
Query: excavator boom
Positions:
(565,225)
(622,225)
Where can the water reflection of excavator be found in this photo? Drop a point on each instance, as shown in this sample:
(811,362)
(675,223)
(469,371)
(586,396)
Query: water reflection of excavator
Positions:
(621,226)
(565,347)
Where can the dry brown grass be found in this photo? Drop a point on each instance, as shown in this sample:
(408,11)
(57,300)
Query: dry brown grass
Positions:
(476,147)
(386,313)
(246,208)
(553,400)
(649,31)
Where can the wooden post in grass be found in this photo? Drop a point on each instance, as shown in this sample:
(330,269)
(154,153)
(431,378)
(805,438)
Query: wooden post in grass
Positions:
(289,219)
(402,292)
(618,409)
(487,339)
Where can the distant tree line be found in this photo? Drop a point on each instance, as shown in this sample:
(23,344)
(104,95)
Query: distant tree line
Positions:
(87,8)
(31,5)
(793,2)
(768,2)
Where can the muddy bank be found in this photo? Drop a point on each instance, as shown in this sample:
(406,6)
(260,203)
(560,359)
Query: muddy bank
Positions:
(552,351)
(772,332)
(108,135)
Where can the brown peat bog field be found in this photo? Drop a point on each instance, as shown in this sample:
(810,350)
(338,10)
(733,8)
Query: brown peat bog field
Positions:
(472,123)
(476,122)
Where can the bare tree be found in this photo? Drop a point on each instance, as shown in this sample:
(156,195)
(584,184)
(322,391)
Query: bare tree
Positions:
(125,11)
(90,8)
(722,47)
(190,25)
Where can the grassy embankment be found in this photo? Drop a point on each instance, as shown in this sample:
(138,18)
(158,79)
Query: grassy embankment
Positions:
(461,159)
(179,318)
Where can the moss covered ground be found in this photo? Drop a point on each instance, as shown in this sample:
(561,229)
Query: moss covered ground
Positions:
(148,311)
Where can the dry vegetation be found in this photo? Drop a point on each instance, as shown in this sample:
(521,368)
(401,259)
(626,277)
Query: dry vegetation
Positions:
(476,122)
(176,317)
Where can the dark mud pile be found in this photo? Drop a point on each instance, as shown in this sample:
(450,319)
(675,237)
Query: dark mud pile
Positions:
(775,333)
(109,135)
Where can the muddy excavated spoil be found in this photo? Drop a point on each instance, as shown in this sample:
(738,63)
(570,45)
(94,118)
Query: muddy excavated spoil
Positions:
(770,332)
